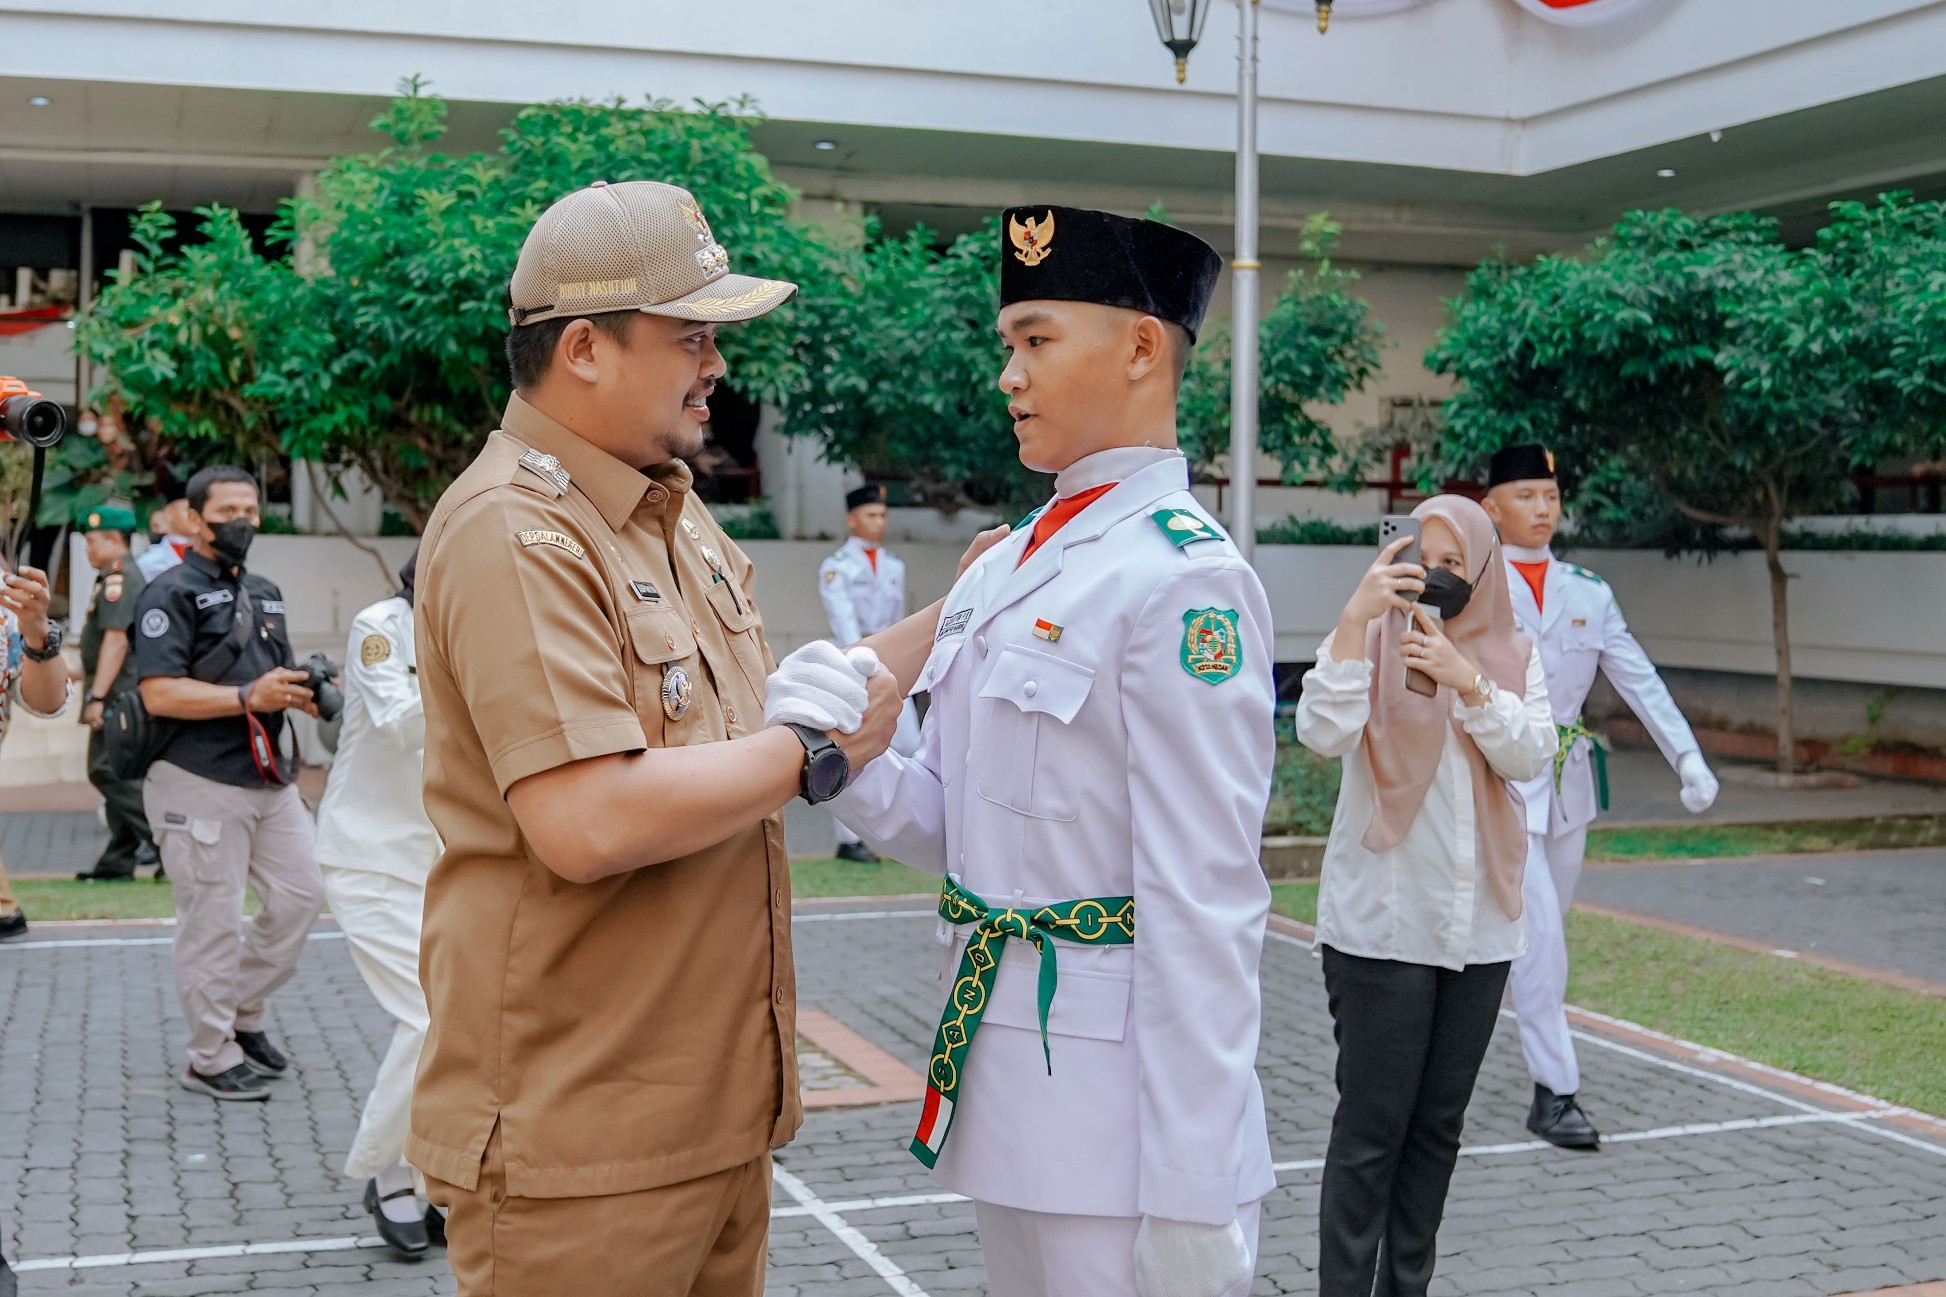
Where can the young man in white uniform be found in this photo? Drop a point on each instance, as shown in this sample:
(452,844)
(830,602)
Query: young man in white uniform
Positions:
(1092,782)
(863,589)
(375,849)
(1571,614)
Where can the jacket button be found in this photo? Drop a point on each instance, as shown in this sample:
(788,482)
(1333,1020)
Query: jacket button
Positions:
(980,643)
(780,995)
(1031,688)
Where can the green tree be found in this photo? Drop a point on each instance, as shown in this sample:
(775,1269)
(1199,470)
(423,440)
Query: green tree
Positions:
(1740,379)
(1317,345)
(900,367)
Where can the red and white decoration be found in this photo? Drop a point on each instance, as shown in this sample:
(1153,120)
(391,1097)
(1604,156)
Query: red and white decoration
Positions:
(1586,13)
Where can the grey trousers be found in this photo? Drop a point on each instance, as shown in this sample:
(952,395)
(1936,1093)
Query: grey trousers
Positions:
(214,839)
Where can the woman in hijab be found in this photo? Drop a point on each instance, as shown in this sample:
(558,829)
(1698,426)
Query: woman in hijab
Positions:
(1419,910)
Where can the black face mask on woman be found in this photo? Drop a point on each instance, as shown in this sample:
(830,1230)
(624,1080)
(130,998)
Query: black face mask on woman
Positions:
(1447,593)
(232,540)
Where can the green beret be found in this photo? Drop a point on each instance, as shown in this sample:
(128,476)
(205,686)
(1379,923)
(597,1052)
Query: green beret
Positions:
(106,517)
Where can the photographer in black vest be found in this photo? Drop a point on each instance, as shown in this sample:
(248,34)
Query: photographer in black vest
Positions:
(213,656)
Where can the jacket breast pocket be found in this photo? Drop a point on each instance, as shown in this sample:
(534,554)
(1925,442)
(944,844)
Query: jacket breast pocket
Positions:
(1027,763)
(1582,635)
(664,645)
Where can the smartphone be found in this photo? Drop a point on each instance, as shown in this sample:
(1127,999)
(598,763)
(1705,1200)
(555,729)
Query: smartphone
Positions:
(1416,680)
(1394,525)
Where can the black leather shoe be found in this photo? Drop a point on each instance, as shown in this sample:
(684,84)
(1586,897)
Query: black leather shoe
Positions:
(1558,1119)
(858,853)
(406,1237)
(436,1226)
(239,1084)
(14,926)
(97,876)
(262,1057)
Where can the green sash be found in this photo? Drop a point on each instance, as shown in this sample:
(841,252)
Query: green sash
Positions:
(1570,735)
(1107,921)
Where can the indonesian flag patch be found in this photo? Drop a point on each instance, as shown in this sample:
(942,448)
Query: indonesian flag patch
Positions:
(934,1120)
(1047,630)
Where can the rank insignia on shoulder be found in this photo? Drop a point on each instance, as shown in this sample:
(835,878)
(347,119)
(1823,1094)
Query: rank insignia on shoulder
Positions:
(954,624)
(1584,572)
(1183,527)
(548,468)
(1212,644)
(374,649)
(1047,630)
(560,540)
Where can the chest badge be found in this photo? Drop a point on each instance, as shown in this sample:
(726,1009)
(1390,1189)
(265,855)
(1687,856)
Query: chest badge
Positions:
(676,692)
(645,591)
(1580,621)
(689,530)
(1047,630)
(1212,644)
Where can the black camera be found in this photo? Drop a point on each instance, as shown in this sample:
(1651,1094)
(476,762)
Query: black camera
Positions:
(321,678)
(30,417)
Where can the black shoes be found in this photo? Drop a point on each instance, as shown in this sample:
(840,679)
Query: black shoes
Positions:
(858,853)
(14,926)
(406,1237)
(435,1227)
(238,1085)
(262,1057)
(96,876)
(1558,1119)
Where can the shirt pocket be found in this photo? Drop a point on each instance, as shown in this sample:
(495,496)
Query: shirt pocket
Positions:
(1028,763)
(663,644)
(742,629)
(1581,635)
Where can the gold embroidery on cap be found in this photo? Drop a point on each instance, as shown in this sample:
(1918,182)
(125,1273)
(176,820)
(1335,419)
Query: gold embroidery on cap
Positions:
(535,536)
(1034,241)
(596,287)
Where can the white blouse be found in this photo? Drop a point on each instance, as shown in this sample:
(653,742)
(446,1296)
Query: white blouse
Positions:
(1426,901)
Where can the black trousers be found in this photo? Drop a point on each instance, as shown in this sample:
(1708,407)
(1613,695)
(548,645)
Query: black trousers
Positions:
(128,822)
(1411,1039)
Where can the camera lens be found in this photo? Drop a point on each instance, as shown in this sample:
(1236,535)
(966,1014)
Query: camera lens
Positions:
(33,420)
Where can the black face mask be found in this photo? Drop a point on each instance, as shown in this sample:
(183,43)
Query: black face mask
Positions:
(232,541)
(1446,593)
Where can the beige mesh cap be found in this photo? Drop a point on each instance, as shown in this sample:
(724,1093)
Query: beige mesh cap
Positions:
(634,246)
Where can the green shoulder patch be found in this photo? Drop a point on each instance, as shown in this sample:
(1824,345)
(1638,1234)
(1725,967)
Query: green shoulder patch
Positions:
(1183,527)
(1212,644)
(1584,572)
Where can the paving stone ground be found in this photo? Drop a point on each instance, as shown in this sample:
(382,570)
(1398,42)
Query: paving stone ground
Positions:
(106,1156)
(1882,909)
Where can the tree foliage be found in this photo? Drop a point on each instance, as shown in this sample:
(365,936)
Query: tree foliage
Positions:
(1702,366)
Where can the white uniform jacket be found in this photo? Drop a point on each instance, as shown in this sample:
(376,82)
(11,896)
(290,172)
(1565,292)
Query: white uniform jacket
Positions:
(1089,760)
(373,817)
(861,600)
(1578,628)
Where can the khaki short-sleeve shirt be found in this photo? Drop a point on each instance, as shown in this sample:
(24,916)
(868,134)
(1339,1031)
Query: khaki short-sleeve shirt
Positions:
(638,1031)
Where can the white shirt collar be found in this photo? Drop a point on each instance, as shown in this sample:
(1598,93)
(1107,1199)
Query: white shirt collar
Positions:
(854,542)
(1116,464)
(1524,554)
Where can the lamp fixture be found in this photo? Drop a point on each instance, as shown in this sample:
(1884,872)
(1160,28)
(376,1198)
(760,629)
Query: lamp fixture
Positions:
(1667,173)
(40,101)
(825,146)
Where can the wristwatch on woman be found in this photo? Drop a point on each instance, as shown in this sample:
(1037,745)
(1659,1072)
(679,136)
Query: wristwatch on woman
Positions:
(1483,687)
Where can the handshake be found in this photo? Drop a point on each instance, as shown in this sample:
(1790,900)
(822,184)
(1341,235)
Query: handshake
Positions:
(848,693)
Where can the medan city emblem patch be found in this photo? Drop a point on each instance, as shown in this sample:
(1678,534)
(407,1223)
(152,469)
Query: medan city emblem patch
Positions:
(1212,646)
(1033,241)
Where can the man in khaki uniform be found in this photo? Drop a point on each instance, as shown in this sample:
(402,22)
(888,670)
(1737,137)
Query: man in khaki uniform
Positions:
(606,955)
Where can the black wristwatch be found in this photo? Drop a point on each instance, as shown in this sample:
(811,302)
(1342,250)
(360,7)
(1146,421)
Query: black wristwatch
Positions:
(826,767)
(46,652)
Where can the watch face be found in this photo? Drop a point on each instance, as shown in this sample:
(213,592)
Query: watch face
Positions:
(827,775)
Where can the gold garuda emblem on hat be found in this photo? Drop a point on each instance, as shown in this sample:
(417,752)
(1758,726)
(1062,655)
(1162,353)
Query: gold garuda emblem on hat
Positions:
(1032,241)
(697,220)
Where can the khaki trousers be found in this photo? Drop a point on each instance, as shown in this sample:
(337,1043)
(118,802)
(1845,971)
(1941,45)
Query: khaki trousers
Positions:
(214,839)
(702,1238)
(380,917)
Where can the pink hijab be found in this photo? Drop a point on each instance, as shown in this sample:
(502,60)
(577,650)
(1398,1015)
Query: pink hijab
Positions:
(1406,733)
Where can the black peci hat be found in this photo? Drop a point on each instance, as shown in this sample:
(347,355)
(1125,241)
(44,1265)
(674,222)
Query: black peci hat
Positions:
(870,493)
(1069,254)
(1520,464)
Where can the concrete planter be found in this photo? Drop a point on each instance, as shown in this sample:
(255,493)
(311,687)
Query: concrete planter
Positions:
(1290,858)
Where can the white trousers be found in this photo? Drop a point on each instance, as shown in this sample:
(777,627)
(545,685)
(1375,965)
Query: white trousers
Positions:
(1036,1254)
(905,742)
(381,916)
(1540,977)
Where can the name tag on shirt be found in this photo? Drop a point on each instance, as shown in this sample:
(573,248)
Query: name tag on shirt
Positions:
(272,605)
(954,625)
(213,598)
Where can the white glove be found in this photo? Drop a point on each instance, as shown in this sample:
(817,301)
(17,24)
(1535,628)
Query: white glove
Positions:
(865,661)
(1180,1258)
(820,687)
(1699,786)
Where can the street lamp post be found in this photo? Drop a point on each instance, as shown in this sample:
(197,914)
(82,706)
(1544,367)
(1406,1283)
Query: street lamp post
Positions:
(1179,25)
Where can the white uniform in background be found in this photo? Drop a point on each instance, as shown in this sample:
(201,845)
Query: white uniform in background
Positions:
(1578,628)
(1101,727)
(375,848)
(862,596)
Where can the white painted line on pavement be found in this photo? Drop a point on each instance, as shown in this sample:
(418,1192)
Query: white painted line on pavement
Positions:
(862,1247)
(128,941)
(198,1253)
(875,1204)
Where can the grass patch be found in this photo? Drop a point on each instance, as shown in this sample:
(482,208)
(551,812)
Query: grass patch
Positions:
(834,877)
(1861,1034)
(1295,901)
(1707,841)
(48,899)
